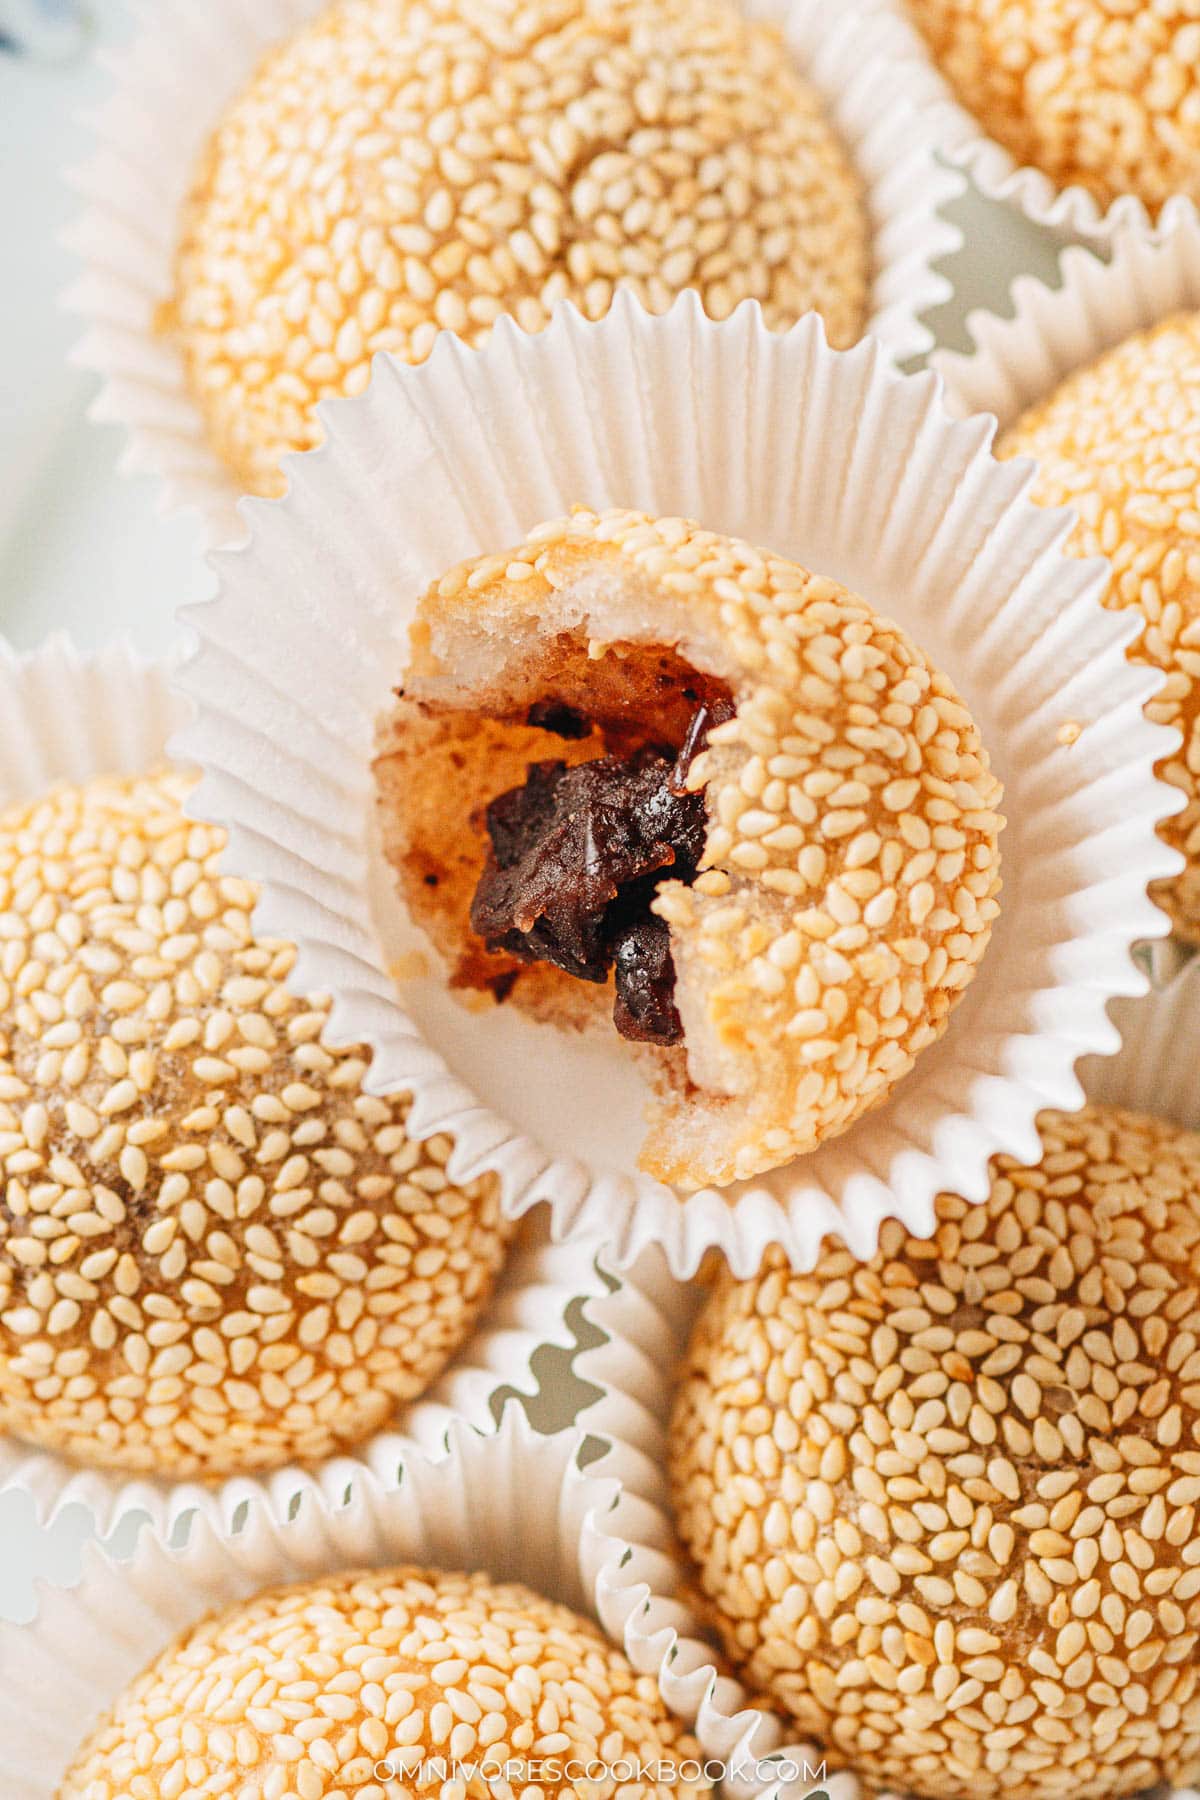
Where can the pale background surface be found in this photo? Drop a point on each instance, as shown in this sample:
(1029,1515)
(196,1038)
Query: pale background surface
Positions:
(82,547)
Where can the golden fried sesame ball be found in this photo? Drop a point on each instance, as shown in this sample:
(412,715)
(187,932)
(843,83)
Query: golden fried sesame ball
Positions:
(944,1503)
(1104,94)
(217,1253)
(850,872)
(327,1681)
(406,166)
(1120,442)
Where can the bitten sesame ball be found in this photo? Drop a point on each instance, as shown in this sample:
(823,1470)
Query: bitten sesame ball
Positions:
(944,1503)
(1120,442)
(402,167)
(217,1253)
(1104,94)
(848,867)
(305,1692)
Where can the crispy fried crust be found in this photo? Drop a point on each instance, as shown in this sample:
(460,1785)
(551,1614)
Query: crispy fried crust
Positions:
(942,1504)
(395,169)
(218,1252)
(387,1656)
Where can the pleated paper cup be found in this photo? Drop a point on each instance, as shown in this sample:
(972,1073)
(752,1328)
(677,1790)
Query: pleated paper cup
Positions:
(1017,361)
(68,717)
(646,1322)
(831,458)
(1071,211)
(1014,362)
(186,62)
(515,1504)
(1155,1069)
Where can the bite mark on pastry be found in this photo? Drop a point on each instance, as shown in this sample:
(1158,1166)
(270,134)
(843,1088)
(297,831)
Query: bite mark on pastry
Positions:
(673,783)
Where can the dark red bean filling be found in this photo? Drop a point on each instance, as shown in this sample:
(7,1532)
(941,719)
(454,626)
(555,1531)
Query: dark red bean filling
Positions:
(576,854)
(644,1007)
(556,716)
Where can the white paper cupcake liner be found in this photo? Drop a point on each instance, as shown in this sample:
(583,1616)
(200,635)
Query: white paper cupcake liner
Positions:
(187,61)
(1072,212)
(514,1504)
(1017,361)
(67,717)
(1155,1069)
(829,457)
(647,1323)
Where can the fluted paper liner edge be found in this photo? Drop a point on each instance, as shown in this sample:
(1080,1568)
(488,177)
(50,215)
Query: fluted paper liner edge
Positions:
(827,456)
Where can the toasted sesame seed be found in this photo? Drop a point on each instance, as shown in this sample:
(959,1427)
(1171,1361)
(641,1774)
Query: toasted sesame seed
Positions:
(1050,1593)
(142,1255)
(1094,92)
(395,171)
(311,1686)
(1119,441)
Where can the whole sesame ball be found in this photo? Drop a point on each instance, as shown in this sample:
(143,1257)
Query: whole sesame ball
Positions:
(943,1504)
(326,1682)
(1103,94)
(1119,441)
(401,167)
(217,1252)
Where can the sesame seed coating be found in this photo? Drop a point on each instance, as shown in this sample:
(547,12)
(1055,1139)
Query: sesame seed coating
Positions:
(943,1504)
(302,1692)
(850,874)
(217,1252)
(1120,441)
(403,167)
(1100,93)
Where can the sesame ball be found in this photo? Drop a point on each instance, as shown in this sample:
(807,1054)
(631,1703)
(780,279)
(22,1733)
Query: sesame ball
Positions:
(327,1681)
(849,867)
(1120,442)
(217,1252)
(401,167)
(1103,94)
(943,1504)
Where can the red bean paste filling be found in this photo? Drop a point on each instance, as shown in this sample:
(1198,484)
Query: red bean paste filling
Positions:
(576,855)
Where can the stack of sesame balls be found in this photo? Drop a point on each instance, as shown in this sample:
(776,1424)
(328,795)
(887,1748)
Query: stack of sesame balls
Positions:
(940,1509)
